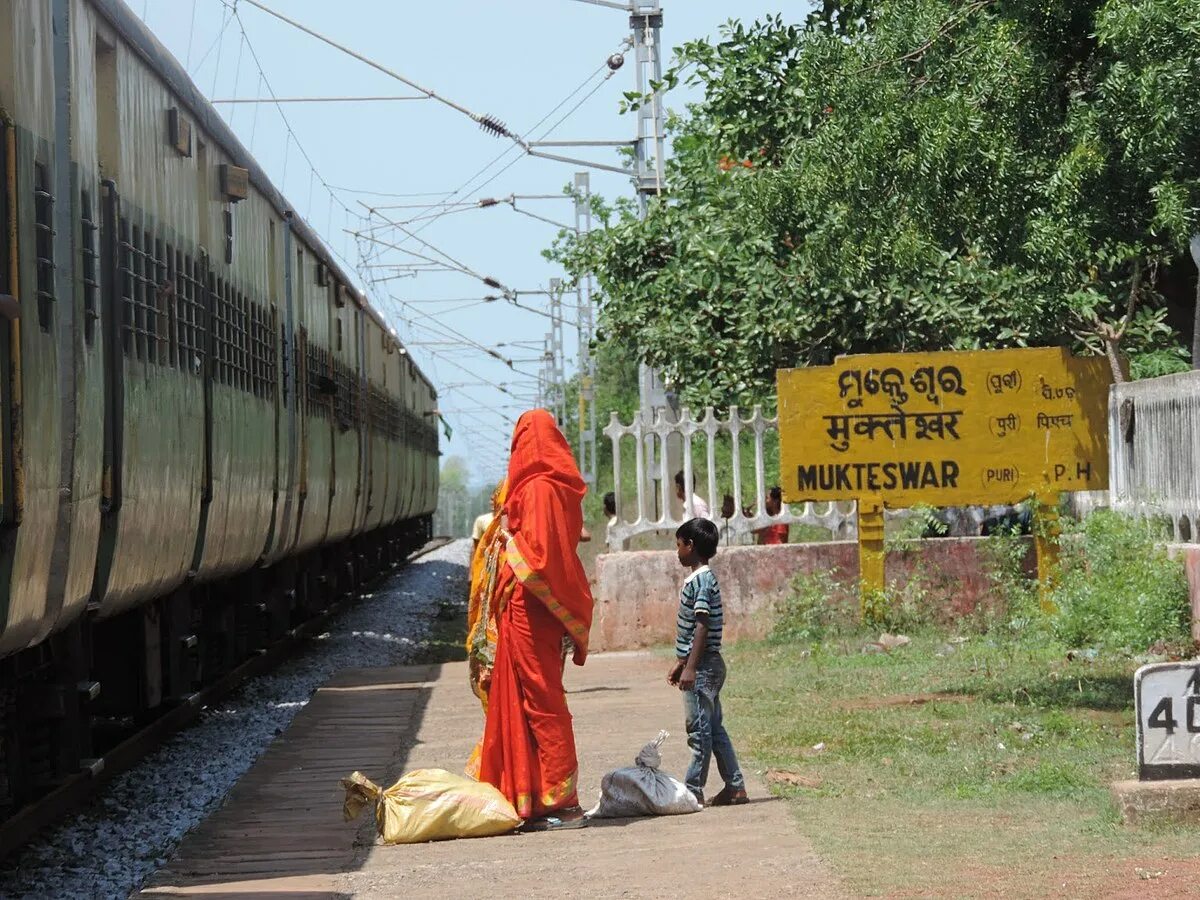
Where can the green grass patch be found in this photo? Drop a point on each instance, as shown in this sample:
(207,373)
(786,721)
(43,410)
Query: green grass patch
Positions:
(944,758)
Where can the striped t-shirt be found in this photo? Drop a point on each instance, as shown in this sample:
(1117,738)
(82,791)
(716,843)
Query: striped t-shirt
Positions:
(701,595)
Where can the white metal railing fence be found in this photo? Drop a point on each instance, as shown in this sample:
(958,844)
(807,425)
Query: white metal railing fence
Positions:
(1154,450)
(654,485)
(656,513)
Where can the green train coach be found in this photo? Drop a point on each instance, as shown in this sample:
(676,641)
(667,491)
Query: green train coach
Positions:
(206,433)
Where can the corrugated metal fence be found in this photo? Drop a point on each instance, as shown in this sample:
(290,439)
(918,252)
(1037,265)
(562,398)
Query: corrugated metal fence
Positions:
(1154,450)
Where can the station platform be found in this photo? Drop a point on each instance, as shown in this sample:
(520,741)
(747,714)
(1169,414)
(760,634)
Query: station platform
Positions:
(280,832)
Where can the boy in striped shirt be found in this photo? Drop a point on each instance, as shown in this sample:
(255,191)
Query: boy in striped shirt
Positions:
(699,670)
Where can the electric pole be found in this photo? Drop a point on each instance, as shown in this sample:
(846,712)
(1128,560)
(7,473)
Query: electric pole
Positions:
(587,364)
(646,20)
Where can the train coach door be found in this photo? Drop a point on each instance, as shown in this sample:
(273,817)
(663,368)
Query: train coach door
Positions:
(9,329)
(111,277)
(291,351)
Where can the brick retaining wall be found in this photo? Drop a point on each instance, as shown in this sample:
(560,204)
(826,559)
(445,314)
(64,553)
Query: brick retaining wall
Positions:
(637,592)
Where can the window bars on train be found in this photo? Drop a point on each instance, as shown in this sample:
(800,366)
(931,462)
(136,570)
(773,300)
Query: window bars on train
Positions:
(187,311)
(161,285)
(43,213)
(142,274)
(89,263)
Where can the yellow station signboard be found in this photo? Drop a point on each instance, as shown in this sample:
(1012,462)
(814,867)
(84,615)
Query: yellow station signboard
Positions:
(944,428)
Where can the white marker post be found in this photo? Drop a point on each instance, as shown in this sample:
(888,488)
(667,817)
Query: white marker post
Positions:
(1167,700)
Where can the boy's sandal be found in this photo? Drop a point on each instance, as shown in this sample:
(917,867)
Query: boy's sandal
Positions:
(727,797)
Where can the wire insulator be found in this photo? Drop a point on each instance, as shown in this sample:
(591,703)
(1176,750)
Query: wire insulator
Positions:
(494,126)
(492,283)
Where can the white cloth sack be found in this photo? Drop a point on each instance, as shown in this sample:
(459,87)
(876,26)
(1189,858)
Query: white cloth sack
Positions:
(642,790)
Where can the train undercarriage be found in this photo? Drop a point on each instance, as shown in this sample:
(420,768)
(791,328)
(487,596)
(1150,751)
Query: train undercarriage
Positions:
(69,700)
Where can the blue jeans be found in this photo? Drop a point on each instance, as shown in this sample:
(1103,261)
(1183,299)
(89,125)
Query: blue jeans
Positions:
(706,735)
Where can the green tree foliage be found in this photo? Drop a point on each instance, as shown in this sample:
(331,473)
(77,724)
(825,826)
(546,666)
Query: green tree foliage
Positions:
(455,474)
(912,174)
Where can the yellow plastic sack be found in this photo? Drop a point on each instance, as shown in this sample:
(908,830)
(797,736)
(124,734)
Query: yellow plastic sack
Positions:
(430,805)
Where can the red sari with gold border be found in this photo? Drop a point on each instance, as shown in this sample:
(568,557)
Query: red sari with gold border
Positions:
(528,743)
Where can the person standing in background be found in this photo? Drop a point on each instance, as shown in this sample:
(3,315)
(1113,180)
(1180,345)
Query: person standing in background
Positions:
(480,528)
(699,505)
(778,532)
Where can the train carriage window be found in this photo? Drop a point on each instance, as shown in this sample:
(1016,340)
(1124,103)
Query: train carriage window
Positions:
(227,307)
(252,357)
(88,259)
(212,339)
(154,329)
(226,333)
(235,341)
(251,386)
(268,351)
(243,346)
(125,276)
(244,343)
(170,288)
(144,296)
(139,293)
(219,332)
(192,293)
(230,361)
(264,349)
(214,323)
(178,267)
(150,272)
(255,374)
(43,210)
(162,305)
(276,355)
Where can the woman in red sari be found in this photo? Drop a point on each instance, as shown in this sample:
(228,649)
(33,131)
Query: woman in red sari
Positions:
(528,745)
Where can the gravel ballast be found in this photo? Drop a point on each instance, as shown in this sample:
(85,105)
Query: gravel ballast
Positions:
(130,829)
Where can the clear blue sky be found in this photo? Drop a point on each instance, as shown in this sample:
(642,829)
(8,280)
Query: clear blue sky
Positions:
(515,60)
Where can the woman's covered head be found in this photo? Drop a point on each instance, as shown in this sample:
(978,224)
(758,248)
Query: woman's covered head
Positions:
(539,450)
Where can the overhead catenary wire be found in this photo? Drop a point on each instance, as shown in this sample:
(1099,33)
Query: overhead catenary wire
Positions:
(373,246)
(234,101)
(226,18)
(447,331)
(486,121)
(187,64)
(372,211)
(467,185)
(292,137)
(455,264)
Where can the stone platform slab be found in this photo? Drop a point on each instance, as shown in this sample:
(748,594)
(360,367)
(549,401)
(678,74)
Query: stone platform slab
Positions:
(1173,800)
(280,834)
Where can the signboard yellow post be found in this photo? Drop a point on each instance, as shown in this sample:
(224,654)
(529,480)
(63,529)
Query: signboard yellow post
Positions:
(944,429)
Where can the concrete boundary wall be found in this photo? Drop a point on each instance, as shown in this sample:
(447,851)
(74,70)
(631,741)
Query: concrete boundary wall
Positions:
(1190,554)
(637,592)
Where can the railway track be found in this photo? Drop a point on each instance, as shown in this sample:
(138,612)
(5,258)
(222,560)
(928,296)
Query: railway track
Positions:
(26,823)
